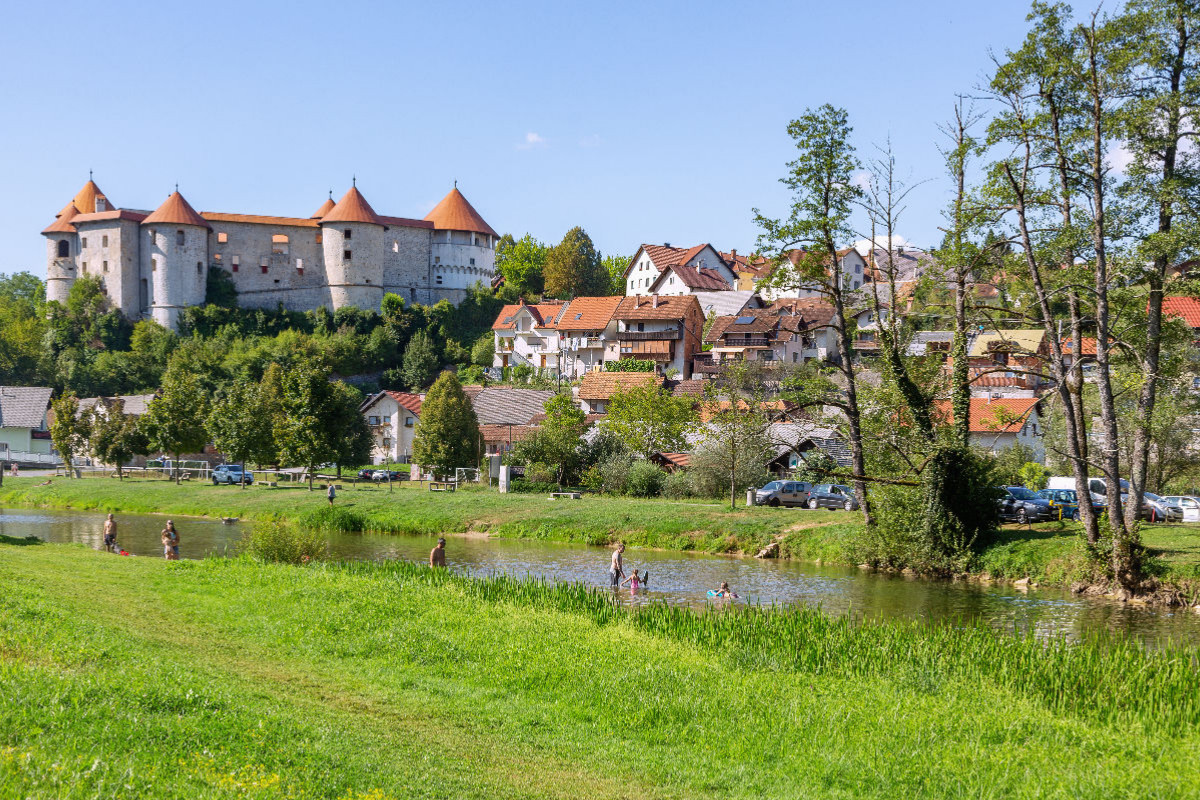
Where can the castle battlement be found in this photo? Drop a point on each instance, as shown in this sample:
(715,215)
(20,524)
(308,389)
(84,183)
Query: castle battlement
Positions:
(155,263)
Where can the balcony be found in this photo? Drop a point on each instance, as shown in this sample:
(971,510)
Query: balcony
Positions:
(747,341)
(649,336)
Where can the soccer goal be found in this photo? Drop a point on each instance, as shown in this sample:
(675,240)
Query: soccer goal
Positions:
(466,475)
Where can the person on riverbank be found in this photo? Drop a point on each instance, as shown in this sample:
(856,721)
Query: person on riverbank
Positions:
(170,541)
(634,581)
(616,570)
(437,556)
(110,534)
(331,493)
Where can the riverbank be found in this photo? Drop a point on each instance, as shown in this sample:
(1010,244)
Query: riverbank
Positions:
(231,679)
(1050,554)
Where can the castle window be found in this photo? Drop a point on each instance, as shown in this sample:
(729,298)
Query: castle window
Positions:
(437,259)
(346,234)
(217,257)
(439,280)
(84,265)
(154,265)
(178,237)
(64,248)
(199,267)
(279,244)
(318,238)
(263,263)
(395,247)
(104,241)
(84,243)
(299,266)
(234,262)
(345,255)
(472,262)
(104,265)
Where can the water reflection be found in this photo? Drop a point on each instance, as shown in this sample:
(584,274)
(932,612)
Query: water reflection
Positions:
(679,578)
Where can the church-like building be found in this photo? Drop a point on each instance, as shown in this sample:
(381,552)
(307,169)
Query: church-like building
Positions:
(155,263)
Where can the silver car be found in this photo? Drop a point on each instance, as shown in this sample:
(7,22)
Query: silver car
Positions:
(783,493)
(831,496)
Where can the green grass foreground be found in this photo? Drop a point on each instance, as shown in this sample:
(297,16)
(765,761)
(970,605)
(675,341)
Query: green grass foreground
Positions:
(132,677)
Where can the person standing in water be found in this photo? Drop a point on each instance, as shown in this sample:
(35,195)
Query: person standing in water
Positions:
(110,534)
(437,556)
(616,570)
(330,493)
(170,540)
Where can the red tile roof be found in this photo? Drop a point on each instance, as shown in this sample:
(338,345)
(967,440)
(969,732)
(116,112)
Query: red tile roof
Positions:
(62,223)
(85,198)
(412,402)
(257,219)
(325,208)
(353,207)
(990,416)
(702,279)
(588,313)
(454,213)
(603,385)
(1186,308)
(504,434)
(544,314)
(176,211)
(102,216)
(643,307)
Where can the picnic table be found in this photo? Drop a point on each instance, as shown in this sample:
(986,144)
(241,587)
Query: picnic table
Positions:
(443,486)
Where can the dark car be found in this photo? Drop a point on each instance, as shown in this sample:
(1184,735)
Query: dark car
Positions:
(1021,505)
(388,475)
(1064,501)
(831,496)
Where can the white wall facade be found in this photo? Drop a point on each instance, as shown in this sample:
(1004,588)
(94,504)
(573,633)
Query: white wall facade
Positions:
(175,268)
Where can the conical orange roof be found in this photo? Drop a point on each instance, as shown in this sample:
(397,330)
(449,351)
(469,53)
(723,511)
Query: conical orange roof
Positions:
(62,224)
(325,208)
(454,213)
(176,211)
(353,207)
(85,200)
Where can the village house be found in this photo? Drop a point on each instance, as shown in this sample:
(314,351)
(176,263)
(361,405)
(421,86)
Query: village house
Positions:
(677,270)
(587,335)
(853,275)
(665,330)
(24,424)
(597,388)
(998,424)
(528,335)
(1016,355)
(392,418)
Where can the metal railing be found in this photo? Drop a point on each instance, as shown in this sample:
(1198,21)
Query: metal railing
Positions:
(648,336)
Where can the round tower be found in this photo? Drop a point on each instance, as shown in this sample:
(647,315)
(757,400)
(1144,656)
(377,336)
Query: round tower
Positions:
(174,260)
(62,240)
(463,248)
(352,241)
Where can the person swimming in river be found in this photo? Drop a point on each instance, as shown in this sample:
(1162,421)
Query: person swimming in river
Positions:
(724,591)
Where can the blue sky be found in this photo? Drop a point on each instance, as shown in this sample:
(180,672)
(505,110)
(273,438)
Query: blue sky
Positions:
(642,122)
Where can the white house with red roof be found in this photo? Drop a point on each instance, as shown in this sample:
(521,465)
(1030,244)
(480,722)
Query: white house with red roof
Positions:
(155,263)
(528,335)
(392,418)
(998,424)
(666,270)
(793,285)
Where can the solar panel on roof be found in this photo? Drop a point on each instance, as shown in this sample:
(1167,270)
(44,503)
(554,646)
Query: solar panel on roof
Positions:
(743,320)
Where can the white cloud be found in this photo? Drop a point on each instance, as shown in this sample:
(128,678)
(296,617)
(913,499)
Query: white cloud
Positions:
(531,141)
(1119,158)
(881,242)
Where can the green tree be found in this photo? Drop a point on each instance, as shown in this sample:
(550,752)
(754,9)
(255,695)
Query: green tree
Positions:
(22,329)
(69,430)
(309,428)
(350,428)
(174,420)
(615,266)
(242,425)
(219,289)
(420,361)
(114,436)
(483,352)
(650,420)
(522,262)
(573,268)
(557,444)
(448,436)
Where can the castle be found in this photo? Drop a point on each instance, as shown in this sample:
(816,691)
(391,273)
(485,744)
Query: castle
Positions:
(155,263)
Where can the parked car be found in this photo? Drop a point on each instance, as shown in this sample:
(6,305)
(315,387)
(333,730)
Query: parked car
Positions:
(831,496)
(365,474)
(1064,501)
(1190,506)
(1157,509)
(1021,505)
(388,474)
(783,493)
(231,474)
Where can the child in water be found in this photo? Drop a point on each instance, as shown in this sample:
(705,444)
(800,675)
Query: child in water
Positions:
(634,581)
(724,591)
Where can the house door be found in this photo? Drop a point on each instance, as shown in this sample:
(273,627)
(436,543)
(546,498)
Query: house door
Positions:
(543,362)
(504,360)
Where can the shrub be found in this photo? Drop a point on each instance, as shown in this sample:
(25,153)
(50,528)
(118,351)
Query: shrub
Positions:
(336,519)
(284,543)
(614,472)
(679,485)
(645,479)
(522,486)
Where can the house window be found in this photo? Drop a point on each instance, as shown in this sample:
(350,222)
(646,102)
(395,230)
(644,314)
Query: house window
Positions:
(672,281)
(346,255)
(641,326)
(64,248)
(409,422)
(178,237)
(84,243)
(795,357)
(104,241)
(387,442)
(346,234)
(104,265)
(372,420)
(234,262)
(222,237)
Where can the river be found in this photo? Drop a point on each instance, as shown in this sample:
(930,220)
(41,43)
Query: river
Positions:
(681,578)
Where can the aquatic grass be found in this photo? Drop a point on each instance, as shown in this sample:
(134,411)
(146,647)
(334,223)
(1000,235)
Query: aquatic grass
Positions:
(1104,676)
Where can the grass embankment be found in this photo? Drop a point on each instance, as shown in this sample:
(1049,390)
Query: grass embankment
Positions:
(138,678)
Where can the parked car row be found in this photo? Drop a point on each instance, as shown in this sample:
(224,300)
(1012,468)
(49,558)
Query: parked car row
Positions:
(805,495)
(382,475)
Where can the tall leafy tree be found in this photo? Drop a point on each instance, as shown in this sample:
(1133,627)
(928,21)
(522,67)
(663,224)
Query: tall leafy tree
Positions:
(114,436)
(522,262)
(448,436)
(615,266)
(69,429)
(573,268)
(558,443)
(651,420)
(307,429)
(174,420)
(242,425)
(420,361)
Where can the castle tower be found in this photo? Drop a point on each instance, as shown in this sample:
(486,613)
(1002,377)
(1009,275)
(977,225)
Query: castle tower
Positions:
(174,269)
(352,241)
(463,250)
(62,240)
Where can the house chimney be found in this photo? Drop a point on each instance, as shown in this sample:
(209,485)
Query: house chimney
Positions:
(666,244)
(654,301)
(101,205)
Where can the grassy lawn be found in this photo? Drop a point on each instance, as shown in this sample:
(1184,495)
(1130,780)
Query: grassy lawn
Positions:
(129,677)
